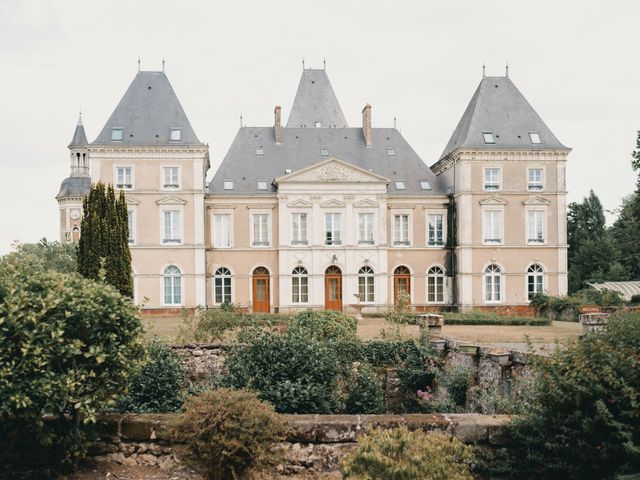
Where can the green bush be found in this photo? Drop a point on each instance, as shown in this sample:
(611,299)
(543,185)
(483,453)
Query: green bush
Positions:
(45,255)
(416,372)
(227,432)
(400,311)
(365,392)
(584,422)
(492,318)
(456,380)
(635,300)
(68,347)
(388,353)
(325,325)
(400,454)
(158,384)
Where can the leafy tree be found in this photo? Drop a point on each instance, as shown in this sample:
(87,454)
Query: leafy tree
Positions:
(104,238)
(68,347)
(60,257)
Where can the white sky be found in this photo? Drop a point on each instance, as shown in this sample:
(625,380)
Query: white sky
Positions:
(575,61)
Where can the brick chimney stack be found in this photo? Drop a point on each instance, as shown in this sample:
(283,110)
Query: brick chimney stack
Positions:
(277,127)
(366,126)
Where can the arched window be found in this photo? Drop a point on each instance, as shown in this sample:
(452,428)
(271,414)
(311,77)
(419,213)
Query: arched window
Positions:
(299,285)
(75,233)
(172,286)
(222,285)
(493,284)
(401,283)
(535,280)
(435,285)
(366,284)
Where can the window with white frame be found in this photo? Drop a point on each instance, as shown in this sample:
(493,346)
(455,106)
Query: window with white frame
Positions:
(332,229)
(535,138)
(366,285)
(365,229)
(492,284)
(492,179)
(176,135)
(172,285)
(124,178)
(222,285)
(492,226)
(172,227)
(435,285)
(298,229)
(535,226)
(299,285)
(534,180)
(221,230)
(171,178)
(436,229)
(401,229)
(488,138)
(131,226)
(260,229)
(116,134)
(535,280)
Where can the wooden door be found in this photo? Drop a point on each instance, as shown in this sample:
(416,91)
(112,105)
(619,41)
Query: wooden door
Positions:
(333,289)
(401,283)
(260,281)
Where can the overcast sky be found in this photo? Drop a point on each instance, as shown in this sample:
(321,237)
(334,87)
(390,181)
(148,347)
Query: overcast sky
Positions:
(576,62)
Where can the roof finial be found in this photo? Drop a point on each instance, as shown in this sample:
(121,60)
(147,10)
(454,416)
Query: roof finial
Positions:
(324,63)
(138,64)
(80,117)
(395,122)
(241,125)
(507,70)
(163,64)
(484,72)
(303,63)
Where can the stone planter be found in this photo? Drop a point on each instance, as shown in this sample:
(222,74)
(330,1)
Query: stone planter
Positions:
(594,322)
(438,344)
(500,357)
(468,348)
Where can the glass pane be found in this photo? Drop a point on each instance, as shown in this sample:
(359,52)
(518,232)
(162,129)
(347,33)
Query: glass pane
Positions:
(261,290)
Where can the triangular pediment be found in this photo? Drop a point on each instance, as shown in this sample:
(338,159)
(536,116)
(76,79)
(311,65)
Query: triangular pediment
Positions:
(493,200)
(171,200)
(131,201)
(365,203)
(333,203)
(332,170)
(535,200)
(300,204)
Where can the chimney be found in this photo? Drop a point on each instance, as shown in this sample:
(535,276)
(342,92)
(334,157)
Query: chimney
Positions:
(277,128)
(366,125)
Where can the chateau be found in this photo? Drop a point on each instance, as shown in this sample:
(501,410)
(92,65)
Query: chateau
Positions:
(317,214)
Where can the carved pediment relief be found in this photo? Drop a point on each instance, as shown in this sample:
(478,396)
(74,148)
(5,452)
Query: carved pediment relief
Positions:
(299,204)
(333,203)
(493,200)
(171,200)
(366,203)
(131,201)
(333,171)
(535,200)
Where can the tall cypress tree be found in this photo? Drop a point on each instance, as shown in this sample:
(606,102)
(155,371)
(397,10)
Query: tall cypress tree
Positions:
(104,237)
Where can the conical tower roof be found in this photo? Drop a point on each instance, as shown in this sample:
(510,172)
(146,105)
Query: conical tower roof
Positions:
(79,137)
(147,113)
(498,107)
(315,103)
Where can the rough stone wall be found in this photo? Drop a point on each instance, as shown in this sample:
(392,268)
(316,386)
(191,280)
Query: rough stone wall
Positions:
(202,362)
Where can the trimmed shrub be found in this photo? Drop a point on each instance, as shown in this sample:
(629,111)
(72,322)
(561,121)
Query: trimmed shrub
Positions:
(416,372)
(400,311)
(325,325)
(388,353)
(158,384)
(227,432)
(492,318)
(456,380)
(365,392)
(400,454)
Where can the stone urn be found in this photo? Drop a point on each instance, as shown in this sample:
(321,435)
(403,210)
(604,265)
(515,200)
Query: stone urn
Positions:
(438,344)
(501,357)
(468,348)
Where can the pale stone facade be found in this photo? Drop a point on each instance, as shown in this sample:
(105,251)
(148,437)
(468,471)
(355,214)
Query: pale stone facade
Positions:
(320,215)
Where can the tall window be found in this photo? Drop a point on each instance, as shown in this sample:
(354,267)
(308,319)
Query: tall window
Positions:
(436,230)
(298,228)
(401,229)
(221,230)
(131,225)
(366,285)
(401,283)
(365,229)
(492,179)
(435,285)
(492,227)
(535,220)
(299,285)
(124,178)
(172,229)
(493,284)
(332,234)
(172,286)
(535,280)
(222,285)
(260,229)
(534,180)
(171,180)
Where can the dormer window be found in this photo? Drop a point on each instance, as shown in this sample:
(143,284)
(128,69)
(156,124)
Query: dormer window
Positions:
(259,151)
(287,171)
(262,185)
(227,185)
(400,185)
(324,152)
(488,138)
(318,124)
(176,135)
(116,134)
(425,185)
(535,138)
(391,152)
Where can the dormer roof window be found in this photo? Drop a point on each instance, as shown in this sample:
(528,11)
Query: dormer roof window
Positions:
(400,185)
(535,138)
(425,185)
(262,185)
(227,185)
(259,151)
(176,135)
(324,152)
(391,152)
(488,138)
(116,134)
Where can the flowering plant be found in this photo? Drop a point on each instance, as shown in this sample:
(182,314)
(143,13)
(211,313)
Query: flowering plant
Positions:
(425,396)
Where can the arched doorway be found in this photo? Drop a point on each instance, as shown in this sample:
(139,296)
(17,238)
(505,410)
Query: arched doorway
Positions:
(333,288)
(260,281)
(401,283)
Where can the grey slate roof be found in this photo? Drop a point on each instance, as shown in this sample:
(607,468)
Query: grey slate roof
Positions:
(302,147)
(79,137)
(315,102)
(497,106)
(146,113)
(74,187)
